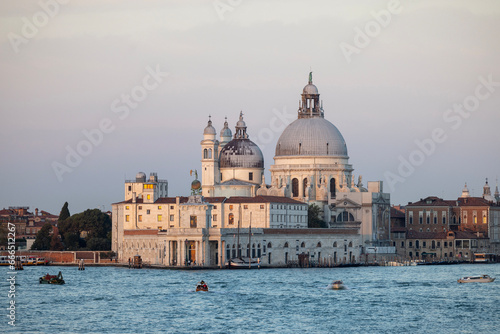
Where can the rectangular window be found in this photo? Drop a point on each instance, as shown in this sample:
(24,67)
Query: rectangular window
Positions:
(140,218)
(171,207)
(127,218)
(424,244)
(127,207)
(262,206)
(439,244)
(159,207)
(148,212)
(129,188)
(410,244)
(446,244)
(250,176)
(159,218)
(215,207)
(148,196)
(435,219)
(149,186)
(231,207)
(193,221)
(140,207)
(245,207)
(171,218)
(215,218)
(411,219)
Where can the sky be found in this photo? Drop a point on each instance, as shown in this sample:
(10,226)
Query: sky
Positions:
(92,92)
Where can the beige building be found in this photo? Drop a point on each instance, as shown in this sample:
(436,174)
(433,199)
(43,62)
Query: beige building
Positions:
(311,166)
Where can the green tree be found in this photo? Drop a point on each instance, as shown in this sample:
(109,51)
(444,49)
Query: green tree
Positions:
(90,224)
(43,237)
(98,244)
(71,241)
(64,214)
(313,220)
(3,234)
(55,243)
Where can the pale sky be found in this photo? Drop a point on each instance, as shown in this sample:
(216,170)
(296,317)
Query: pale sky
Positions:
(65,69)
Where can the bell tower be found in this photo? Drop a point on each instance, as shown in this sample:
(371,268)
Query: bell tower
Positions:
(210,174)
(309,106)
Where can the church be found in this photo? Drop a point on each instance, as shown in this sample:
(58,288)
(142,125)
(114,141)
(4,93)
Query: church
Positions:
(233,212)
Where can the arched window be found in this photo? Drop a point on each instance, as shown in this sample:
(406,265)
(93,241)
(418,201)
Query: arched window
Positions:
(205,154)
(335,244)
(303,245)
(210,153)
(286,245)
(350,244)
(269,245)
(304,187)
(295,187)
(231,219)
(318,245)
(332,187)
(345,217)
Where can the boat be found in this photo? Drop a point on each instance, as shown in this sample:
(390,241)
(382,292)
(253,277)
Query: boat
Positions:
(52,279)
(202,286)
(476,279)
(242,263)
(337,285)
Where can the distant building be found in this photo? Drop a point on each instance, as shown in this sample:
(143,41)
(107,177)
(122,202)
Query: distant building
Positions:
(473,221)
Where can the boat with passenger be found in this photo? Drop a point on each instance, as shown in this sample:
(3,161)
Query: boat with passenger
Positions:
(202,286)
(52,279)
(337,285)
(476,279)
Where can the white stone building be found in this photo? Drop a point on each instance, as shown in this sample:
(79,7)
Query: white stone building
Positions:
(311,166)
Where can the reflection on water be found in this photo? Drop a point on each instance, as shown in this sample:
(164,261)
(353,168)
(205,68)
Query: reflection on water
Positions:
(421,299)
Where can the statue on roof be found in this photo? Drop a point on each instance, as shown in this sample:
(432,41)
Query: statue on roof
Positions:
(310,77)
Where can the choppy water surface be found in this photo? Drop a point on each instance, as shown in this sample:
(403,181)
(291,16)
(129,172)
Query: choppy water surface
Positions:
(422,299)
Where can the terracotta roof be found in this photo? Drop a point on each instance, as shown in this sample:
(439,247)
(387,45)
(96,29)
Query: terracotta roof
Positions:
(473,201)
(395,213)
(434,201)
(263,199)
(309,231)
(140,232)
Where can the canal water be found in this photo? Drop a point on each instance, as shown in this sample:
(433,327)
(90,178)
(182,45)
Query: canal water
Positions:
(420,299)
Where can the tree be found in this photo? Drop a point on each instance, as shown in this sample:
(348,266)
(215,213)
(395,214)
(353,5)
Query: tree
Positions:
(55,243)
(42,241)
(64,214)
(98,244)
(313,220)
(90,224)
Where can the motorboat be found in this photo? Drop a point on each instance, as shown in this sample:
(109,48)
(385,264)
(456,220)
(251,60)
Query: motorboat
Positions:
(202,286)
(476,279)
(243,263)
(52,279)
(337,285)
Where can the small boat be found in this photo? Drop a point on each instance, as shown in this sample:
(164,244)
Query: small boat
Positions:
(52,279)
(242,263)
(337,285)
(476,279)
(202,286)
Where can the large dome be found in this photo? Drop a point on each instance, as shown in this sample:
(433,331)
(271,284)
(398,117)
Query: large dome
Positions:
(241,153)
(311,137)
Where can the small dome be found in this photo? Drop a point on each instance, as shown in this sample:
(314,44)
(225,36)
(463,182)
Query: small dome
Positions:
(241,153)
(209,130)
(140,177)
(226,132)
(310,89)
(311,137)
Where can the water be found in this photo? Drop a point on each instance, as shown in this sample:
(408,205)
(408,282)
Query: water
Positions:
(421,299)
